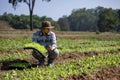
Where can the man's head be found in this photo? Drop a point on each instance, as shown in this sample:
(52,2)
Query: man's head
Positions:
(46,26)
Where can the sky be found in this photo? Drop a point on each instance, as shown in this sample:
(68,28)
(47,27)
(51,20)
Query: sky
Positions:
(57,8)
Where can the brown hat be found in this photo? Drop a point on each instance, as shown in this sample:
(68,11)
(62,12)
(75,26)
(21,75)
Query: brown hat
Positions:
(47,24)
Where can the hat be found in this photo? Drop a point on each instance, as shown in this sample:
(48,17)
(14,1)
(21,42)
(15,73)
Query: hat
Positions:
(47,24)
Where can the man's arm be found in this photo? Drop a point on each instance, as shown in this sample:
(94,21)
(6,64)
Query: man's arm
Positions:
(34,38)
(54,42)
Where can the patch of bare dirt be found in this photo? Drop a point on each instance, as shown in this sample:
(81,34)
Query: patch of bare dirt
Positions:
(108,73)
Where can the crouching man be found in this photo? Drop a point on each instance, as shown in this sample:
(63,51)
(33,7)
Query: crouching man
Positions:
(46,38)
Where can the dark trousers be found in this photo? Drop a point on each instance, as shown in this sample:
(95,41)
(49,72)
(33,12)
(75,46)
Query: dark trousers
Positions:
(52,55)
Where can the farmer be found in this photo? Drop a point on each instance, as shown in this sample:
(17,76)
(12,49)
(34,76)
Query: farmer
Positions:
(46,38)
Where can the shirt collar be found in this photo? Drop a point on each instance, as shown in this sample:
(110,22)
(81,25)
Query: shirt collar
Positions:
(46,34)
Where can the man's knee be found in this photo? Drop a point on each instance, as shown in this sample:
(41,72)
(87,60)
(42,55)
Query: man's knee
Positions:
(37,55)
(54,54)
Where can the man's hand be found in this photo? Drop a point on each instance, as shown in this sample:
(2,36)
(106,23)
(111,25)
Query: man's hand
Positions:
(50,48)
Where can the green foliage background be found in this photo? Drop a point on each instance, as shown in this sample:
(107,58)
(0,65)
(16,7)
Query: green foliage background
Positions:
(97,19)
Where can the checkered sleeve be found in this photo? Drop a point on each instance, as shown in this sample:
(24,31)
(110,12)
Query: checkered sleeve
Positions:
(54,44)
(34,38)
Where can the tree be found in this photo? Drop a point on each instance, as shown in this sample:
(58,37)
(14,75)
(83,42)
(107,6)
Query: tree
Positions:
(118,13)
(30,4)
(64,23)
(82,20)
(97,11)
(108,20)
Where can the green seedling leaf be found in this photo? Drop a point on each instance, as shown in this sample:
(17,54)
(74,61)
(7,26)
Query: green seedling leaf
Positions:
(22,65)
(36,46)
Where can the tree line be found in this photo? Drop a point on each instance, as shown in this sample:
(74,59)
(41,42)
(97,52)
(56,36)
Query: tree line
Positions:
(97,19)
(22,21)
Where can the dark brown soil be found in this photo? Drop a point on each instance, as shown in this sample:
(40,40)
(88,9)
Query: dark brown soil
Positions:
(108,73)
(111,73)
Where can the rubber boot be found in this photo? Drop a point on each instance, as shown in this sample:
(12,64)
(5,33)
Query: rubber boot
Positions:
(41,62)
(50,63)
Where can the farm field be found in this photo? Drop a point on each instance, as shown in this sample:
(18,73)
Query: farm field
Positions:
(83,56)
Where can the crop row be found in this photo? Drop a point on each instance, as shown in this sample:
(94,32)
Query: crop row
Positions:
(12,44)
(65,45)
(88,64)
(14,56)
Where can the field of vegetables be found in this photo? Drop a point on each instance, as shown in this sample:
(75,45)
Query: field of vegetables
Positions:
(92,58)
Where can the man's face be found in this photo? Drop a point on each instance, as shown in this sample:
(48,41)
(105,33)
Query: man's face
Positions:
(46,30)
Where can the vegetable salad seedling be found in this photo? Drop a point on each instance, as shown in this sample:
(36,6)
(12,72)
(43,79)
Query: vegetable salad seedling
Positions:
(37,46)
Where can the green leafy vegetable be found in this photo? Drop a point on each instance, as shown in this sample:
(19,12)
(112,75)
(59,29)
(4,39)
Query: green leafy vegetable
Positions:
(37,46)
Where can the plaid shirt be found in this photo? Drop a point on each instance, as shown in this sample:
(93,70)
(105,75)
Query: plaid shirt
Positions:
(45,40)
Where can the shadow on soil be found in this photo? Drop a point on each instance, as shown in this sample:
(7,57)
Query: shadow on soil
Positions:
(16,64)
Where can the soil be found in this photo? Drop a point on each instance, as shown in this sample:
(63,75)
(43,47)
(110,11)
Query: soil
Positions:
(109,73)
